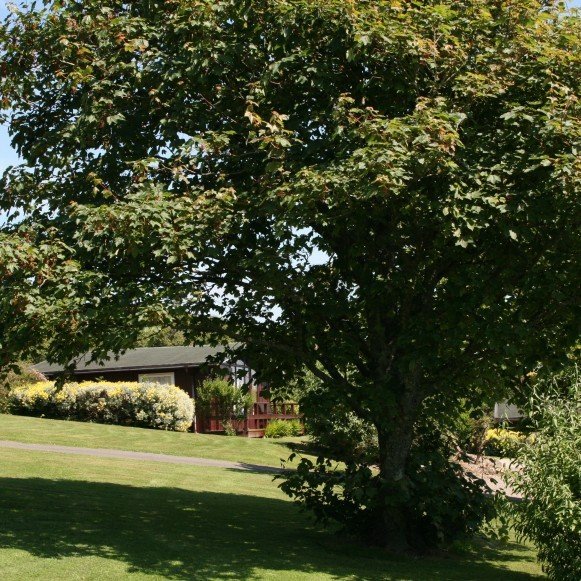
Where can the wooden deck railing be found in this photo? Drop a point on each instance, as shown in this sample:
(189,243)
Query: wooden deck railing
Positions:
(256,420)
(264,411)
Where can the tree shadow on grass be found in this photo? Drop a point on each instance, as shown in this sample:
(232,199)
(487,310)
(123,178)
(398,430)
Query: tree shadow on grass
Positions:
(303,446)
(181,534)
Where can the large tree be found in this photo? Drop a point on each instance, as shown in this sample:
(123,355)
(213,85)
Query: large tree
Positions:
(383,192)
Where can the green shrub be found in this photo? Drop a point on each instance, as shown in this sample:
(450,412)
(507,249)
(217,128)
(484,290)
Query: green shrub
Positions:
(4,401)
(218,398)
(550,480)
(295,428)
(504,443)
(333,429)
(149,405)
(277,429)
(283,428)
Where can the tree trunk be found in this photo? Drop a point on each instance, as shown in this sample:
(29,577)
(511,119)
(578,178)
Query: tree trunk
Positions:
(395,434)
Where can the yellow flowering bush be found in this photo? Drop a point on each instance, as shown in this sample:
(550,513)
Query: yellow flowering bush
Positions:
(149,405)
(501,442)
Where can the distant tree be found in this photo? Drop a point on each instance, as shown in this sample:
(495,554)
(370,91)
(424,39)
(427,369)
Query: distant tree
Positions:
(160,337)
(383,192)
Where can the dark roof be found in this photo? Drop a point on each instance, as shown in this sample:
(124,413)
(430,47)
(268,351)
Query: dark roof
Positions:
(141,358)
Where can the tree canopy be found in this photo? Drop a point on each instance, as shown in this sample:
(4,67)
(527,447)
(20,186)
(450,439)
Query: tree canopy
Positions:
(383,192)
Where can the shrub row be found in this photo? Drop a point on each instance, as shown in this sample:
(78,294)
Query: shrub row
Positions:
(149,405)
(283,428)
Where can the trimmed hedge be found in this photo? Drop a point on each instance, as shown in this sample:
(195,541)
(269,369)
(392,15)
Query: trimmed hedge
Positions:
(149,405)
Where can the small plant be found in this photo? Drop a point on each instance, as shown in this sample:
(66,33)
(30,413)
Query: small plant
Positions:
(229,429)
(4,402)
(470,427)
(283,429)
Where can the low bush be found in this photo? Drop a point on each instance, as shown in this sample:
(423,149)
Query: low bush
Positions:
(504,443)
(150,405)
(4,400)
(283,428)
(550,479)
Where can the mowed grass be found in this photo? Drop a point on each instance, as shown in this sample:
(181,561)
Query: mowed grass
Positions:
(65,433)
(75,517)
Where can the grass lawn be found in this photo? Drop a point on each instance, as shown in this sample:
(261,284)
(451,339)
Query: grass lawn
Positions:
(75,517)
(64,433)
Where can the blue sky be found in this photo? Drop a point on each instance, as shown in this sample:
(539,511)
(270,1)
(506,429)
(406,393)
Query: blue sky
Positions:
(8,155)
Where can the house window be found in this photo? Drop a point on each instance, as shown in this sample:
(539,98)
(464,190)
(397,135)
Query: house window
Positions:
(163,378)
(239,374)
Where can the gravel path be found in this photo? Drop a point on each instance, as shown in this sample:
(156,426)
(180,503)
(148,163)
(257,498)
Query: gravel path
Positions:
(146,456)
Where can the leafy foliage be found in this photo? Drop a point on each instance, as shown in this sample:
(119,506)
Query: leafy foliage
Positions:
(333,428)
(344,436)
(550,482)
(149,405)
(221,399)
(160,337)
(442,502)
(383,192)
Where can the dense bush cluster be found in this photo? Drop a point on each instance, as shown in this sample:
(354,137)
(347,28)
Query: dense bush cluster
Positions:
(550,480)
(148,405)
(283,428)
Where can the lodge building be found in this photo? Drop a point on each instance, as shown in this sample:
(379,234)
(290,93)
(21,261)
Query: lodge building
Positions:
(185,367)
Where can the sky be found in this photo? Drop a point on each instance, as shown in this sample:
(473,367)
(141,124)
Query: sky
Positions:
(8,155)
